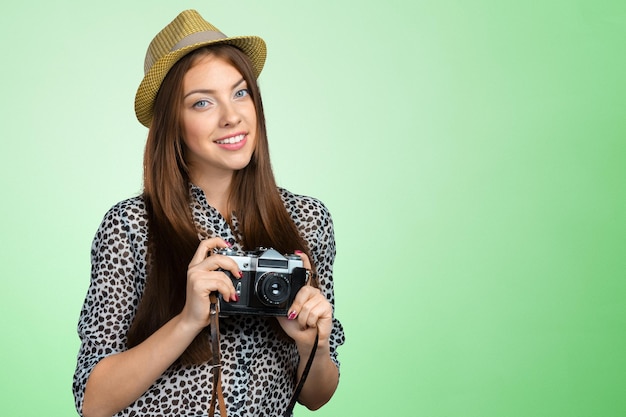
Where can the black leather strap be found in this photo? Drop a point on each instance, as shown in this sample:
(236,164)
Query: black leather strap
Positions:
(305,373)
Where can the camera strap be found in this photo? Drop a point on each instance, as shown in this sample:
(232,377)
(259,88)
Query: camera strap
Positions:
(305,372)
(216,392)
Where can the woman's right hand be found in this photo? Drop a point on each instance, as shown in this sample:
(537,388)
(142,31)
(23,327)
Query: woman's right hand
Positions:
(205,274)
(119,379)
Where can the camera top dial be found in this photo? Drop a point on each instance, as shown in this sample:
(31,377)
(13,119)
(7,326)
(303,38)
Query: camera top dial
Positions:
(226,251)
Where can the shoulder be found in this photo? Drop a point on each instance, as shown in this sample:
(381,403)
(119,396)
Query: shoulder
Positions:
(127,215)
(303,205)
(130,207)
(310,215)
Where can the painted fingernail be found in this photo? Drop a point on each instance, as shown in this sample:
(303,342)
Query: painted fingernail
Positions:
(292,315)
(240,274)
(298,252)
(234,297)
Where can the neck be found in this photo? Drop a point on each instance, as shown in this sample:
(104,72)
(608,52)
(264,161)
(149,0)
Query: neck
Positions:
(216,191)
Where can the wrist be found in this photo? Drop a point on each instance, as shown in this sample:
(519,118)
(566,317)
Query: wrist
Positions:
(187,327)
(304,348)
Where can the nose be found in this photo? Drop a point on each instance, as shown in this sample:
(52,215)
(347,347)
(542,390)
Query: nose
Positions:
(229,115)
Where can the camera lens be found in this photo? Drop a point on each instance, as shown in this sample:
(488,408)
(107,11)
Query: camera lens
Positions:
(273,288)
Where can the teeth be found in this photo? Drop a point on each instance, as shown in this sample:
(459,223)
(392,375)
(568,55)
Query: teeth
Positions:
(234,139)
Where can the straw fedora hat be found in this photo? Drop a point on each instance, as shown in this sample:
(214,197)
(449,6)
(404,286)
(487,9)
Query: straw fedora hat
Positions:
(188,32)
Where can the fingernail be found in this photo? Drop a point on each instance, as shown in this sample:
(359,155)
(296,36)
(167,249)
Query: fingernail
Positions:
(292,315)
(298,252)
(228,244)
(234,297)
(240,274)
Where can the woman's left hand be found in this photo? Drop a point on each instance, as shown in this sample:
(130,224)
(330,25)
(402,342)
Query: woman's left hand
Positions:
(309,314)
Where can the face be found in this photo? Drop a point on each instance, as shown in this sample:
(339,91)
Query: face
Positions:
(219,119)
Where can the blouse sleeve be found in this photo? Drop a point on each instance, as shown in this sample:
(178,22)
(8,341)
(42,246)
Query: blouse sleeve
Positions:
(112,297)
(315,223)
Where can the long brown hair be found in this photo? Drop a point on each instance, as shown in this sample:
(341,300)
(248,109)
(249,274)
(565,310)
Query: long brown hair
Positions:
(172,236)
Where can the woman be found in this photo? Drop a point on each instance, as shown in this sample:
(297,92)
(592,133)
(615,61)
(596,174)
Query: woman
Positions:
(208,185)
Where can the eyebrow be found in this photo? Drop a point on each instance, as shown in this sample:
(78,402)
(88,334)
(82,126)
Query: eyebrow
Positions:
(206,91)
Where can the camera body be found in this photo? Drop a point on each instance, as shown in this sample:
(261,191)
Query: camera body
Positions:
(269,284)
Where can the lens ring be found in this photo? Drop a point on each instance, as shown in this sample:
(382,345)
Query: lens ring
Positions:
(273,288)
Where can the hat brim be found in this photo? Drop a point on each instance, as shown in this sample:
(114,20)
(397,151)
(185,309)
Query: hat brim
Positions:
(253,46)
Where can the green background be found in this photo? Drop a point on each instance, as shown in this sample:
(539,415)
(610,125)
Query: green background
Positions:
(473,154)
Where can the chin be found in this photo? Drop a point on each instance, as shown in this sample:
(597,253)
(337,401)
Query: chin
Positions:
(240,166)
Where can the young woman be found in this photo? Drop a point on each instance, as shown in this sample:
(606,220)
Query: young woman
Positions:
(208,185)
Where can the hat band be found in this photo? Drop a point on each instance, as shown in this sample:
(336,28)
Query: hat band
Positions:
(197,37)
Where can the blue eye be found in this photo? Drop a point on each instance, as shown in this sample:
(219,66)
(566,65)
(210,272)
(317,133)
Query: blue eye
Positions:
(202,104)
(242,93)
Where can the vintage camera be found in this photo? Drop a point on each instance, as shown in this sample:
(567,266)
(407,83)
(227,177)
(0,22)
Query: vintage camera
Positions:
(269,284)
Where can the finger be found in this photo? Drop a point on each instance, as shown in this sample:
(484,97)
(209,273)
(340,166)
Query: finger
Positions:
(302,297)
(206,246)
(311,312)
(204,283)
(318,308)
(221,262)
(206,287)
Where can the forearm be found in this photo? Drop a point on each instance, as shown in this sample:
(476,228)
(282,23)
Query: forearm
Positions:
(118,380)
(322,379)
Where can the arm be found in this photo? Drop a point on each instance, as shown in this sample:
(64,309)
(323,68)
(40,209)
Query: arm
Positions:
(314,313)
(109,377)
(314,316)
(119,379)
(322,379)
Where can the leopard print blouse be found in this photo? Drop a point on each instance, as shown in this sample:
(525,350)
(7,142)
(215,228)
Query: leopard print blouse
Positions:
(258,366)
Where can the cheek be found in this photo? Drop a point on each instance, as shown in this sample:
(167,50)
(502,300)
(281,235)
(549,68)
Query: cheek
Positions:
(252,120)
(193,128)
(191,141)
(254,136)
(187,128)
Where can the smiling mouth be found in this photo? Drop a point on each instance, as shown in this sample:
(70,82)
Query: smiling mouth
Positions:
(231,140)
